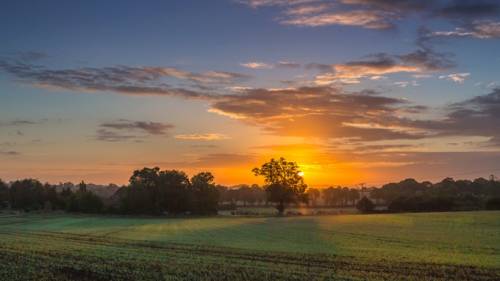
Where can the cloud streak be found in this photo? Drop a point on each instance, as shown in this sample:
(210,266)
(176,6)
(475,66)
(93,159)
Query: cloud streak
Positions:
(145,80)
(10,153)
(124,130)
(257,65)
(202,137)
(375,66)
(377,14)
(478,29)
(456,77)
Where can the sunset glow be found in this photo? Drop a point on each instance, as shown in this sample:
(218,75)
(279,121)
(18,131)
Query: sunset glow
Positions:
(356,92)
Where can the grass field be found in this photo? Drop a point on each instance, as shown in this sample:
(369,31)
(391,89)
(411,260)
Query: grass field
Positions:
(426,246)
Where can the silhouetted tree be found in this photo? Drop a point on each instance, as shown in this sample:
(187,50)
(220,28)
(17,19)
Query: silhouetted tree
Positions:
(82,187)
(142,194)
(335,196)
(205,196)
(155,192)
(405,188)
(52,198)
(4,194)
(313,195)
(173,191)
(88,202)
(27,194)
(365,205)
(353,195)
(284,185)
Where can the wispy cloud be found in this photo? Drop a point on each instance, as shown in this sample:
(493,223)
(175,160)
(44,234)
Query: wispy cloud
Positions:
(478,29)
(288,64)
(376,66)
(21,122)
(404,84)
(302,10)
(376,14)
(257,65)
(144,80)
(203,137)
(153,128)
(367,19)
(10,153)
(263,3)
(456,77)
(123,130)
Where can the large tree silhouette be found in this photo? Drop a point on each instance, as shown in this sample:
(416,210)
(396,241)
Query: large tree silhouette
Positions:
(284,183)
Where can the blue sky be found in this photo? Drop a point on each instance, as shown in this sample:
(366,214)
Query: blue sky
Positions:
(370,89)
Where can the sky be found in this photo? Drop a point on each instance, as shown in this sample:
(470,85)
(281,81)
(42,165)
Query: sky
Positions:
(357,92)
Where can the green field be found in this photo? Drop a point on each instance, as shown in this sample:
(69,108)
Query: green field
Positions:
(425,246)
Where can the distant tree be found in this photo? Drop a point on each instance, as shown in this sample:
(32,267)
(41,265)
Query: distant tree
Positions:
(284,184)
(205,195)
(405,188)
(142,195)
(27,194)
(365,205)
(52,198)
(65,193)
(173,191)
(82,187)
(313,195)
(258,193)
(353,195)
(336,196)
(327,195)
(344,195)
(244,194)
(4,194)
(88,202)
(224,194)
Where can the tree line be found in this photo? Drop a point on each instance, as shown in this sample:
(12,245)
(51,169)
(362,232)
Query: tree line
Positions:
(152,191)
(31,195)
(447,195)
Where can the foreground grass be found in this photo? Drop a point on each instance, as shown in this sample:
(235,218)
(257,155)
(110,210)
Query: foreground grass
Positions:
(438,246)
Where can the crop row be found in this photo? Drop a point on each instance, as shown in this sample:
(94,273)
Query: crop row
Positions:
(62,256)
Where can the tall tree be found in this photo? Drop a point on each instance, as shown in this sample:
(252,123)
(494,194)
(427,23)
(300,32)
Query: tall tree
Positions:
(27,194)
(205,195)
(173,191)
(141,197)
(284,183)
